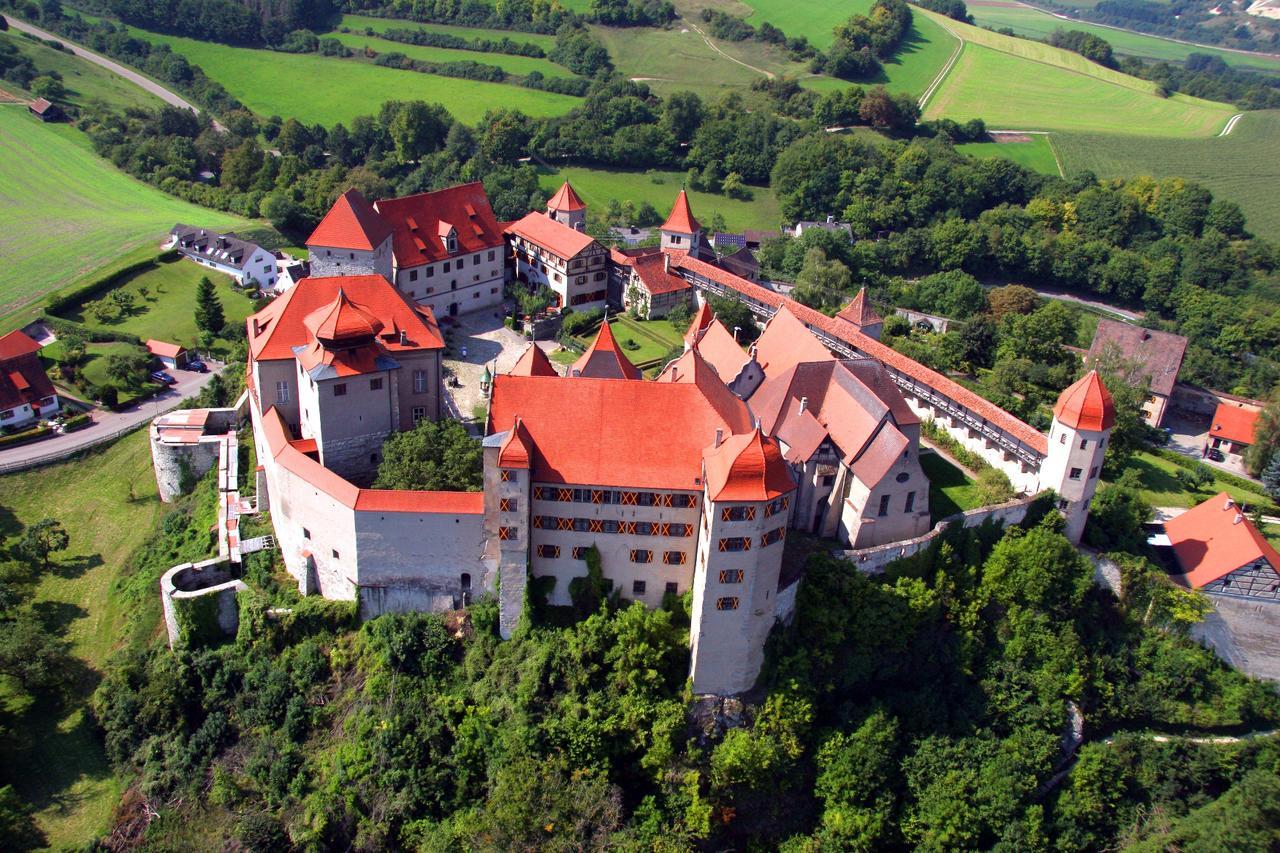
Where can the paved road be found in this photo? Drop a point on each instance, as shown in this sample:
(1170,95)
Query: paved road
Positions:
(106,424)
(127,73)
(1062,295)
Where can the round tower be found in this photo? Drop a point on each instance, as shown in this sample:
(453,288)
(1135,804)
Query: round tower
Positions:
(1082,422)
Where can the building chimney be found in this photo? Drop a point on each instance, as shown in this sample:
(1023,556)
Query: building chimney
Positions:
(719,436)
(666,262)
(255,327)
(1229,504)
(404,337)
(804,404)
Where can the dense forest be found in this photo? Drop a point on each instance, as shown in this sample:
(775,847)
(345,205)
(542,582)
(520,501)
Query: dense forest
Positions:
(1202,21)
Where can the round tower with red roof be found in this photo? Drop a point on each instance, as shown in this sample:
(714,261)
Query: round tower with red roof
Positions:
(1082,422)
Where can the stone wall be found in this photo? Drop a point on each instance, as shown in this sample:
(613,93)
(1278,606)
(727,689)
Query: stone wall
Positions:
(1024,478)
(175,462)
(199,585)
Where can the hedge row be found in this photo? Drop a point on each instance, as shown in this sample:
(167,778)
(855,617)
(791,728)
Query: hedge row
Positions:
(64,326)
(76,295)
(24,437)
(76,422)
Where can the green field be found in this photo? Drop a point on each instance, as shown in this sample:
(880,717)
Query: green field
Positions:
(1045,88)
(327,90)
(1160,487)
(598,186)
(517,65)
(1035,154)
(106,499)
(83,80)
(65,212)
(1038,24)
(950,489)
(1243,166)
(358,23)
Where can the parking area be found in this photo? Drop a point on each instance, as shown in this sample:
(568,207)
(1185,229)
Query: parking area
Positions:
(478,341)
(1189,434)
(1245,634)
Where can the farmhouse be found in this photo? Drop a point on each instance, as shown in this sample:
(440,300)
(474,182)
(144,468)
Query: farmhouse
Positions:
(26,394)
(1220,551)
(244,261)
(1158,356)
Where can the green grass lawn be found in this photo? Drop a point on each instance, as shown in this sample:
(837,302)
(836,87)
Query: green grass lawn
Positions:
(168,311)
(327,90)
(65,212)
(106,499)
(1035,154)
(654,339)
(518,65)
(1160,486)
(950,489)
(83,80)
(1243,166)
(1038,24)
(94,370)
(360,22)
(598,186)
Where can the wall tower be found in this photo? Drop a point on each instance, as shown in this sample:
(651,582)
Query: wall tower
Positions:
(567,208)
(1082,422)
(681,231)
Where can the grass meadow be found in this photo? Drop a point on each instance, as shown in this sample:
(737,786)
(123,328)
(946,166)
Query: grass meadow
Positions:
(358,23)
(83,80)
(1160,486)
(1038,24)
(598,186)
(518,65)
(88,213)
(1036,153)
(106,499)
(950,489)
(327,90)
(1243,166)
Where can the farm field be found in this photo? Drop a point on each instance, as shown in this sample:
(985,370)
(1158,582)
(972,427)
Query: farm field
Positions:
(1045,88)
(358,23)
(598,186)
(83,80)
(518,65)
(1038,24)
(89,213)
(287,84)
(1036,153)
(106,500)
(1243,167)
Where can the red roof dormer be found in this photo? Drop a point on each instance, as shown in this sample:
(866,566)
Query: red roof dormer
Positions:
(1087,404)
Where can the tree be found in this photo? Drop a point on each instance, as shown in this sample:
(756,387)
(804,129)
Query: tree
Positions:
(822,284)
(1012,299)
(1117,516)
(33,656)
(734,314)
(682,114)
(418,129)
(240,165)
(1266,433)
(1271,477)
(209,316)
(48,87)
(128,369)
(433,456)
(43,539)
(1127,381)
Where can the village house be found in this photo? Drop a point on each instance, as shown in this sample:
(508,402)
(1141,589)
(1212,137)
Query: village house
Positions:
(246,262)
(1220,551)
(1233,429)
(169,356)
(26,394)
(551,250)
(1157,355)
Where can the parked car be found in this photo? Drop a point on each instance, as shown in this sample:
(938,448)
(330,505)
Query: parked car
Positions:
(1215,454)
(161,376)
(198,366)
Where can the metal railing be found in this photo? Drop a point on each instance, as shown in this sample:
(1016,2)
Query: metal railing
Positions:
(68,452)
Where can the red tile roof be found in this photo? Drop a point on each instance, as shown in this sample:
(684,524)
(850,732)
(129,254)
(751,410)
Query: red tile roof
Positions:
(604,360)
(701,319)
(555,237)
(517,450)
(278,328)
(1235,424)
(1086,404)
(786,342)
(342,321)
(164,349)
(403,500)
(351,223)
(40,106)
(718,347)
(420,223)
(22,376)
(566,199)
(692,368)
(1214,539)
(747,467)
(858,311)
(1159,353)
(651,269)
(681,218)
(17,343)
(533,362)
(600,432)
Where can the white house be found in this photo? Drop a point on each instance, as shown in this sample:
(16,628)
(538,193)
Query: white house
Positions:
(244,261)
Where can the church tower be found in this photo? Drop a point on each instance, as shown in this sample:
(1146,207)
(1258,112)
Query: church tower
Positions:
(681,231)
(1082,422)
(567,208)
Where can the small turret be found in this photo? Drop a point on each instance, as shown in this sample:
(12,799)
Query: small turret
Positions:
(567,208)
(1082,422)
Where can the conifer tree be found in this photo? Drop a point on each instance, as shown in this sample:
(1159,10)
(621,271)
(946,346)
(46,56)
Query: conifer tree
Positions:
(1271,476)
(209,316)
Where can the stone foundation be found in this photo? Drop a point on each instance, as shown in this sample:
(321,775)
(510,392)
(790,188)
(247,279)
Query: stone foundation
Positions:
(199,600)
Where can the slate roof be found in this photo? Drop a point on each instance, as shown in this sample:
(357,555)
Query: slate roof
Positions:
(1159,353)
(228,250)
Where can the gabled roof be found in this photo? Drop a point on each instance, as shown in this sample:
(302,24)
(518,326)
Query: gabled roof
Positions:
(652,272)
(517,448)
(717,346)
(1235,424)
(692,368)
(276,330)
(701,319)
(40,106)
(681,220)
(786,342)
(420,223)
(17,343)
(1086,404)
(226,250)
(858,311)
(533,362)
(747,467)
(1214,539)
(566,199)
(604,360)
(1159,353)
(22,376)
(555,237)
(164,349)
(351,223)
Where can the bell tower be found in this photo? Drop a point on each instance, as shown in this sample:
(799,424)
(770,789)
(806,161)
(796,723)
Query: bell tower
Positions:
(1082,422)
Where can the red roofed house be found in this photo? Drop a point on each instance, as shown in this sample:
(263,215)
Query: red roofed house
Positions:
(26,394)
(651,289)
(551,250)
(1233,428)
(1220,551)
(1157,354)
(170,356)
(683,233)
(443,249)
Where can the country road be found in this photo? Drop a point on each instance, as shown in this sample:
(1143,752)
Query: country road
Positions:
(114,67)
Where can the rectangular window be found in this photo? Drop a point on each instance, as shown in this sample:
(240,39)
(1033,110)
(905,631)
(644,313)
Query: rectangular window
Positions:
(340,390)
(731,575)
(563,523)
(491,254)
(580,552)
(738,513)
(419,414)
(507,504)
(446,267)
(729,603)
(1093,473)
(672,588)
(506,534)
(540,522)
(776,506)
(475,259)
(637,587)
(884,506)
(682,530)
(911,502)
(548,552)
(640,555)
(772,536)
(674,558)
(735,543)
(413,275)
(504,475)
(334,552)
(1084,443)
(539,493)
(431,271)
(1075,473)
(282,392)
(461,263)
(375,384)
(306,534)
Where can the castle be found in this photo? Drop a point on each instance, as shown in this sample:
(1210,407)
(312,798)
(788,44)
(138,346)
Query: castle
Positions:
(689,482)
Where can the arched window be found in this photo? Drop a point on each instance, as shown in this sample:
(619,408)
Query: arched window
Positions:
(466,581)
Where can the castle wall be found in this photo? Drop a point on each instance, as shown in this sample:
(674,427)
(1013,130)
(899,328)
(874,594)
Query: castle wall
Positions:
(210,579)
(267,375)
(331,262)
(349,429)
(171,460)
(1025,478)
(416,561)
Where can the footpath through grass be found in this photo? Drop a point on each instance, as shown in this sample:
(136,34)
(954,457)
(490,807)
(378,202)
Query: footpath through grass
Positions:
(65,212)
(106,499)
